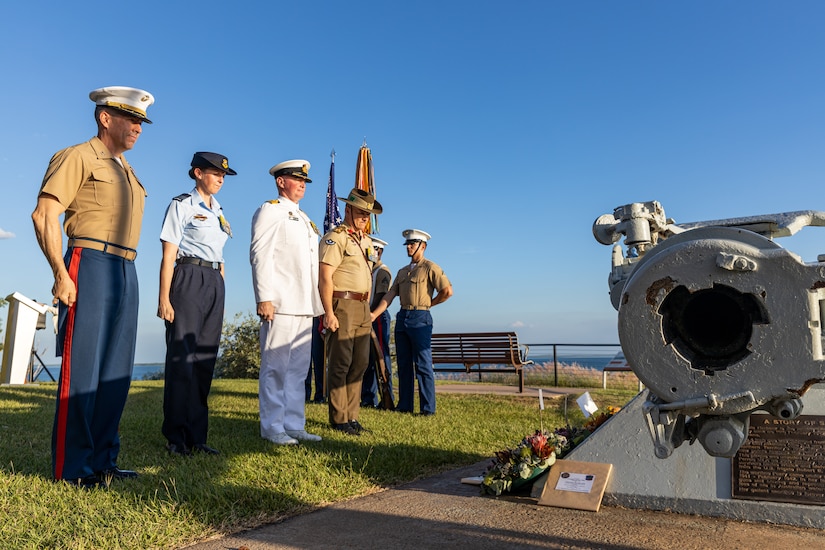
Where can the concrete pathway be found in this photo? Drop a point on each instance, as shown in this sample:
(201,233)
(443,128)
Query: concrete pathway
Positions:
(441,512)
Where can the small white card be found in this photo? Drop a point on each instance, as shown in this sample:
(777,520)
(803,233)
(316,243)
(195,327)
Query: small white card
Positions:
(586,404)
(577,483)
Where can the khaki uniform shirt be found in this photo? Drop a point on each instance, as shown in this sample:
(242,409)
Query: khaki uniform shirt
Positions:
(351,258)
(416,287)
(103,199)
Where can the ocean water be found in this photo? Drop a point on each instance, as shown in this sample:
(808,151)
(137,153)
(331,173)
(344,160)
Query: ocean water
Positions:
(143,371)
(139,372)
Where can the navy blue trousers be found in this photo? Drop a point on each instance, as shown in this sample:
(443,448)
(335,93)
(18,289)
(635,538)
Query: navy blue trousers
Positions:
(316,364)
(413,351)
(370,394)
(96,340)
(192,341)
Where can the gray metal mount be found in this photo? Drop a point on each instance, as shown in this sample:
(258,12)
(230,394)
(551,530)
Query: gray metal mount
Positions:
(716,319)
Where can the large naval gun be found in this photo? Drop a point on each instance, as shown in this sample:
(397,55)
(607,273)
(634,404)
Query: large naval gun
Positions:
(716,319)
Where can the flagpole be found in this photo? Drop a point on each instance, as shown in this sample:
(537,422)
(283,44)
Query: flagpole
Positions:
(332,217)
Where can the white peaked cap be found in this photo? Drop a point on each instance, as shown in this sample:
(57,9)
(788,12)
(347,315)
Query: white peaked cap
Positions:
(123,98)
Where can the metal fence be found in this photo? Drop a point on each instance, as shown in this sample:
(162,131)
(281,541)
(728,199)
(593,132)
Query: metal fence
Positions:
(590,355)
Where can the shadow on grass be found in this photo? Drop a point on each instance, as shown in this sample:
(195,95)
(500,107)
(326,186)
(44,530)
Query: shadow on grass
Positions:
(252,481)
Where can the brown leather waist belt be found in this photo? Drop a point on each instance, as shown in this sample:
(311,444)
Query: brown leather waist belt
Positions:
(414,308)
(198,261)
(349,295)
(103,246)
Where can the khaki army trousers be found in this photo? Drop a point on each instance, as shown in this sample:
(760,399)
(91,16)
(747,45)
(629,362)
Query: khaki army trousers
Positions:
(348,355)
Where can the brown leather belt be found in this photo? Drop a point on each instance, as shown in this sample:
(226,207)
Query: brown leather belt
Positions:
(350,295)
(414,308)
(198,261)
(103,246)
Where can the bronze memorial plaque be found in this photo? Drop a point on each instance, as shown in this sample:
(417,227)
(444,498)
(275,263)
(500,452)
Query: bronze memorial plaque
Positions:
(781,461)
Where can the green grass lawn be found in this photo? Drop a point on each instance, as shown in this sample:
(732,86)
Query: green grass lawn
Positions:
(178,501)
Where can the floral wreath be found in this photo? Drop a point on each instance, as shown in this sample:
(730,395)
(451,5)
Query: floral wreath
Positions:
(514,467)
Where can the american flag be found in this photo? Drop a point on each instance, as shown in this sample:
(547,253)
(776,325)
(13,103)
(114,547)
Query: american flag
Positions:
(332,218)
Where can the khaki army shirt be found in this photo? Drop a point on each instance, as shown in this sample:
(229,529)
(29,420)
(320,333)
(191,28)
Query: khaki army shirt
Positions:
(104,200)
(416,287)
(352,259)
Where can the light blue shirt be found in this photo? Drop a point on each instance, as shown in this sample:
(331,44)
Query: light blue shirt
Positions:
(194,227)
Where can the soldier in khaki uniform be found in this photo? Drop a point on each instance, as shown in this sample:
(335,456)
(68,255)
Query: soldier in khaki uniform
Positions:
(96,283)
(345,277)
(415,284)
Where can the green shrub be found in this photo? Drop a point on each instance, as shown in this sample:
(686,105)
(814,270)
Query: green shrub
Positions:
(240,354)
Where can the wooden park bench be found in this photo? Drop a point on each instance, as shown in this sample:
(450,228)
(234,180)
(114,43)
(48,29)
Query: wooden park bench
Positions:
(480,352)
(618,364)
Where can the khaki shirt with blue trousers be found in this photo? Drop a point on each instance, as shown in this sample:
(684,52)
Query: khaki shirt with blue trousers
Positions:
(348,348)
(415,286)
(104,203)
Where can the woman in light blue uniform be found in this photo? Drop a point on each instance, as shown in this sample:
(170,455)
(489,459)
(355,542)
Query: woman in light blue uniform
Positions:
(191,301)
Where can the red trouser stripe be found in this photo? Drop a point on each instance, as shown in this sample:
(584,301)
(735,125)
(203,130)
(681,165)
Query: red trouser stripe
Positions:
(66,373)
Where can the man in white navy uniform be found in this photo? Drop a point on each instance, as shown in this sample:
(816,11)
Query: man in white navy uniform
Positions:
(284,258)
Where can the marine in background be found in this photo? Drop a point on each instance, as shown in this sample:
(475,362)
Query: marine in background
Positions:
(415,285)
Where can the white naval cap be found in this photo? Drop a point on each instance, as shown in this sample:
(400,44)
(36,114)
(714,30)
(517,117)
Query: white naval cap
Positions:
(123,98)
(298,168)
(412,235)
(378,243)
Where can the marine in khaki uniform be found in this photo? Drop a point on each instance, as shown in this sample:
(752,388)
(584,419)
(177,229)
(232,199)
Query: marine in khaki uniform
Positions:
(96,283)
(415,285)
(381,281)
(345,277)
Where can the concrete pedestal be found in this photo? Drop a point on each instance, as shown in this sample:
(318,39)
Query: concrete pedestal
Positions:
(24,315)
(690,481)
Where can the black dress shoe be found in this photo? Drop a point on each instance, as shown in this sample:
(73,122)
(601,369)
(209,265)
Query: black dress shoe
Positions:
(88,482)
(346,428)
(117,473)
(359,429)
(204,448)
(178,450)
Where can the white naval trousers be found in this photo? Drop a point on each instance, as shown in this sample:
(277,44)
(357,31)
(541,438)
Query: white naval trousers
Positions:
(286,343)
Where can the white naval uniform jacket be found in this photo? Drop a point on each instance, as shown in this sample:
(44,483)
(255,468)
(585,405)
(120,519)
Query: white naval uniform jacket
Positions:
(284,258)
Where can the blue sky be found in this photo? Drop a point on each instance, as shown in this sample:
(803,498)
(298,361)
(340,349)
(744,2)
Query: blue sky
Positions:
(504,130)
